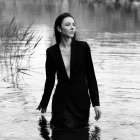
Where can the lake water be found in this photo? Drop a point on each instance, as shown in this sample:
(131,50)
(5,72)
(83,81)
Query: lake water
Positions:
(113,32)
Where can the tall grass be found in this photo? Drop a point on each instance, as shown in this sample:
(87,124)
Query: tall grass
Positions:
(18,47)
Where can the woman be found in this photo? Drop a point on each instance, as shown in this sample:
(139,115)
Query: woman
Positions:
(77,85)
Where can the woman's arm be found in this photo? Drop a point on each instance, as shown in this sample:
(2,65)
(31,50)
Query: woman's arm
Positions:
(92,84)
(49,84)
(91,79)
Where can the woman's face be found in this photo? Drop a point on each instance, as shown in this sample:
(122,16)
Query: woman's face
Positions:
(68,27)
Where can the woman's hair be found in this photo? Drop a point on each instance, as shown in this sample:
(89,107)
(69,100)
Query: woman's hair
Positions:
(58,23)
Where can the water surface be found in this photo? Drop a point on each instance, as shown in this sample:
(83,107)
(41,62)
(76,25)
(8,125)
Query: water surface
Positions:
(113,33)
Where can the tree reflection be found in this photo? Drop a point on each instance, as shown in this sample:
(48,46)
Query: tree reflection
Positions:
(67,134)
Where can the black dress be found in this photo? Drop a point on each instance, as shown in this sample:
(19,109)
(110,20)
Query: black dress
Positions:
(70,117)
(72,96)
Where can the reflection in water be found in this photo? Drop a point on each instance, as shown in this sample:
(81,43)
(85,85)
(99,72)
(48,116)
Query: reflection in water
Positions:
(65,134)
(95,134)
(96,16)
(44,132)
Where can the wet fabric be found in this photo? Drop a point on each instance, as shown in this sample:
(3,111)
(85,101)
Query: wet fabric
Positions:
(70,117)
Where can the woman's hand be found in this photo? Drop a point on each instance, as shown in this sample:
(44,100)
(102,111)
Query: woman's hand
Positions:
(97,112)
(42,109)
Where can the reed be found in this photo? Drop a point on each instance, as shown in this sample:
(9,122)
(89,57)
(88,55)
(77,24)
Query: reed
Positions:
(18,47)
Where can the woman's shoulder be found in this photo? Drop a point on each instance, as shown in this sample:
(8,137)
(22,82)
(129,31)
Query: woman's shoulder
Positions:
(82,44)
(51,48)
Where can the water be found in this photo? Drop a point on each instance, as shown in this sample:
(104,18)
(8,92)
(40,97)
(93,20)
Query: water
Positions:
(113,33)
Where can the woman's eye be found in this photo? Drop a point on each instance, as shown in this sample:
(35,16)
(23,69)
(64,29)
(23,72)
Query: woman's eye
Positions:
(74,24)
(68,24)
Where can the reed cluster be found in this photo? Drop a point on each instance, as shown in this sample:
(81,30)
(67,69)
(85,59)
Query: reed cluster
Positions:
(17,45)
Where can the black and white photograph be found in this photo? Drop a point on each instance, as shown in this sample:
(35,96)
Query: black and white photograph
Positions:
(69,69)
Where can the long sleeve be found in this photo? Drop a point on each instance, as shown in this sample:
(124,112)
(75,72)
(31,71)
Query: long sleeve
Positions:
(91,79)
(50,80)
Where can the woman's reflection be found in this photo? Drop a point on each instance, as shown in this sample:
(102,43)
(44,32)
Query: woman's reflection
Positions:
(65,134)
(43,128)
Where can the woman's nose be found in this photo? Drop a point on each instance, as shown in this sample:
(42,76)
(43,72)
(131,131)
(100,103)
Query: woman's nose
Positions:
(72,27)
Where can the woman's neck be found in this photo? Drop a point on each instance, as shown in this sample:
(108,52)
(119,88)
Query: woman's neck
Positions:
(66,42)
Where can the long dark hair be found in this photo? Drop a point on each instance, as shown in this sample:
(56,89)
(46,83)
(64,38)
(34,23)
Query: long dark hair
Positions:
(58,23)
